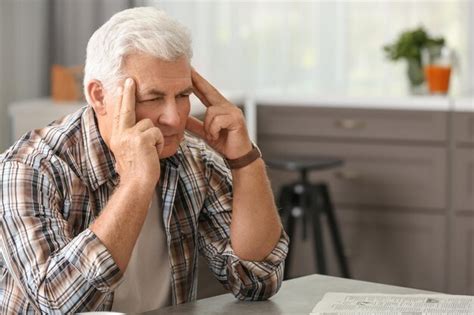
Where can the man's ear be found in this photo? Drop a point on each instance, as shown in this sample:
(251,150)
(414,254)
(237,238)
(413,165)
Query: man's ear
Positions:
(95,91)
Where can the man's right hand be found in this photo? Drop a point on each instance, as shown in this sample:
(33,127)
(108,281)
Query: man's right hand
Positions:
(136,146)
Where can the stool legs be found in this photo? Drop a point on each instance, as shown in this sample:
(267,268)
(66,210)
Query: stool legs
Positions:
(317,232)
(333,228)
(313,201)
(286,205)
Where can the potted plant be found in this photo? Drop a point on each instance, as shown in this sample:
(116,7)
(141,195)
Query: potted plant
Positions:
(409,46)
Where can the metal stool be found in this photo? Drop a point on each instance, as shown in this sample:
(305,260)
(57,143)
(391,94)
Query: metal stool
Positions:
(303,199)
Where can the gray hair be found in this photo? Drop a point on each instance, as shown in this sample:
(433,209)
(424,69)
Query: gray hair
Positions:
(138,30)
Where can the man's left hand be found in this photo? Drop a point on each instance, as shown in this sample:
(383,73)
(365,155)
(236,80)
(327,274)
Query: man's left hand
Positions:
(224,126)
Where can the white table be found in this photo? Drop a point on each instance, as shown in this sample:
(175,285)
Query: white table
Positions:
(37,113)
(297,296)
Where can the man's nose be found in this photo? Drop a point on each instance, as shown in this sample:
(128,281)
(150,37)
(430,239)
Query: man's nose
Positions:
(169,116)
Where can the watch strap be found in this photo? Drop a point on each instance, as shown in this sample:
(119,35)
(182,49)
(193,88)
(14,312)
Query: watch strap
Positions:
(246,159)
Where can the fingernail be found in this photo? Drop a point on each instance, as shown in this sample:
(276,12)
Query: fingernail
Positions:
(129,82)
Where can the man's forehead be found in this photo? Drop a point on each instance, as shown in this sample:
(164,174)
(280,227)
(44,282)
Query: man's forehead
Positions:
(146,83)
(151,77)
(155,76)
(176,68)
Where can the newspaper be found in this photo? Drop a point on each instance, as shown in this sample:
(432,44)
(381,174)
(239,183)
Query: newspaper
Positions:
(397,304)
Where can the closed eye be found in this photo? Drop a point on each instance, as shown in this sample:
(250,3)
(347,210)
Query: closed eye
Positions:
(159,98)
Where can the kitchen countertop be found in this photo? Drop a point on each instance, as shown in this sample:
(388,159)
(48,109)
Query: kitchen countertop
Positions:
(250,103)
(422,103)
(463,104)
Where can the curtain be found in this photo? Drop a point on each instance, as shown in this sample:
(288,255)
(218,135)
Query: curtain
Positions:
(318,47)
(23,51)
(34,34)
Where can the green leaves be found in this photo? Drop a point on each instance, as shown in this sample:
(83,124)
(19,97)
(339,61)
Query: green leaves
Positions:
(409,45)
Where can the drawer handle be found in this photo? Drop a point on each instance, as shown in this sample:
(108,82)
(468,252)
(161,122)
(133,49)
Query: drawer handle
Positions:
(350,124)
(348,174)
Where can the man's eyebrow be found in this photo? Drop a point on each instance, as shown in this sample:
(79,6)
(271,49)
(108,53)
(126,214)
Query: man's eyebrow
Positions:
(156,92)
(151,91)
(189,89)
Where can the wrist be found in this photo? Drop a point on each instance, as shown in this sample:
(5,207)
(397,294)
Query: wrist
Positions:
(252,168)
(249,157)
(140,186)
(239,151)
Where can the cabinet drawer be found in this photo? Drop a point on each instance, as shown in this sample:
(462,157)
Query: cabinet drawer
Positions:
(463,184)
(464,127)
(461,263)
(350,123)
(392,175)
(377,250)
(375,244)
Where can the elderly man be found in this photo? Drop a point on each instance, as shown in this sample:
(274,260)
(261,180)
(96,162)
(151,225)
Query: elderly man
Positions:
(108,208)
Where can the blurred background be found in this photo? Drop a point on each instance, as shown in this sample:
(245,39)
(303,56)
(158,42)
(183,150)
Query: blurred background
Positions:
(298,47)
(386,86)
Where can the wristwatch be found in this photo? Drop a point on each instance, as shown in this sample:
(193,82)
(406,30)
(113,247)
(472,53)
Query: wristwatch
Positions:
(246,159)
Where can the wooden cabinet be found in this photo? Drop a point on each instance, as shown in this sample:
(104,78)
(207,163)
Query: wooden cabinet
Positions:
(463,161)
(461,262)
(386,245)
(391,194)
(463,183)
(373,174)
(352,123)
(461,258)
(463,127)
(396,247)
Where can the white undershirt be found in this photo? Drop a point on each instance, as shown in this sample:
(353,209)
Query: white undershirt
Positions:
(147,279)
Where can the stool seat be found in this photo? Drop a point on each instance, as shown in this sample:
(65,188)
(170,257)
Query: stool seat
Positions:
(302,163)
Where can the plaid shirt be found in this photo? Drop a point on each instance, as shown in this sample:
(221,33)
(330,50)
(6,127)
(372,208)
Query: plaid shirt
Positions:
(53,184)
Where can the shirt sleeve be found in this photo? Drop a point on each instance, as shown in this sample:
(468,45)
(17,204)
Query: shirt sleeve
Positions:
(247,280)
(58,273)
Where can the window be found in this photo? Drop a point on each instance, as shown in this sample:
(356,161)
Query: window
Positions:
(322,47)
